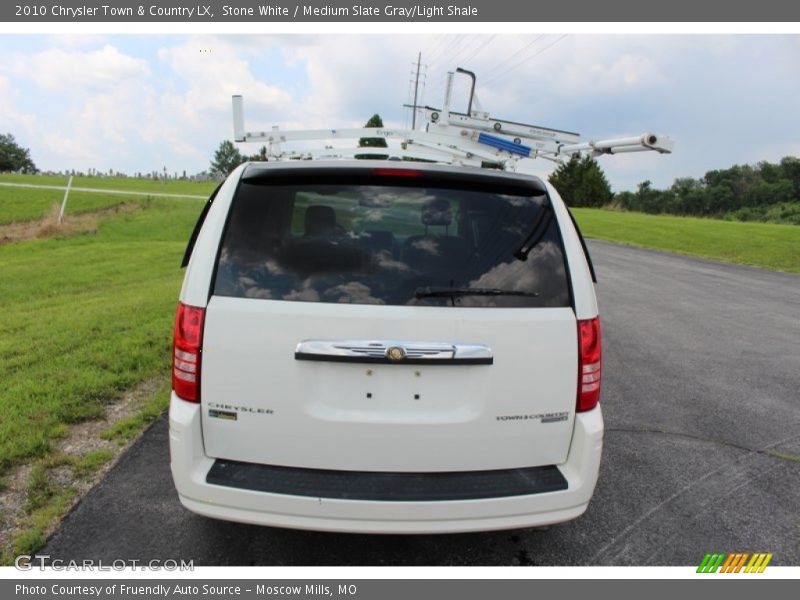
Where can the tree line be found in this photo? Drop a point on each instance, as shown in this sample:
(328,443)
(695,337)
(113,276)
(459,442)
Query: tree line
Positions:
(762,192)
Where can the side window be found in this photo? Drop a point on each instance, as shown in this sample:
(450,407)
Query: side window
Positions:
(583,245)
(187,254)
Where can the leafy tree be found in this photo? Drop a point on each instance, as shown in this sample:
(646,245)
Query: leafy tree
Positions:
(261,155)
(581,182)
(790,166)
(226,158)
(376,142)
(13,157)
(686,194)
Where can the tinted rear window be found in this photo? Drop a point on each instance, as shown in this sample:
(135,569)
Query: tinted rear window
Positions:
(394,245)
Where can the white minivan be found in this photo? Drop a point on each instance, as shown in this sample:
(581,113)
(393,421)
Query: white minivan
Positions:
(386,347)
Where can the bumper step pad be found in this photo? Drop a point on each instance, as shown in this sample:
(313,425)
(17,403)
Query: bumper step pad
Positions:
(387,487)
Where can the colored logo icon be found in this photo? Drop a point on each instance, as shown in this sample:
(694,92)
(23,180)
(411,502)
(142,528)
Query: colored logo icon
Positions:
(734,562)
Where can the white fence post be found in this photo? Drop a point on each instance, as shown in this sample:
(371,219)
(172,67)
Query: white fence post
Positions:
(64,202)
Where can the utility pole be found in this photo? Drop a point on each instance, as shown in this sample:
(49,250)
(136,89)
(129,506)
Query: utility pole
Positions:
(416,88)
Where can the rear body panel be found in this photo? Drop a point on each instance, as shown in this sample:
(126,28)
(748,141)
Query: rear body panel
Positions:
(515,412)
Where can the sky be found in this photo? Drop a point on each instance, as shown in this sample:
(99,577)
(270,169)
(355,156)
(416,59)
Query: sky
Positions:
(138,103)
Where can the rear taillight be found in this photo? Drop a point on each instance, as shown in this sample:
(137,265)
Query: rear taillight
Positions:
(186,344)
(588,364)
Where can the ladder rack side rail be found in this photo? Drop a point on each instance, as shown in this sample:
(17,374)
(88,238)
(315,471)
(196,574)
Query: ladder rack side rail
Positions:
(508,128)
(434,156)
(462,143)
(479,155)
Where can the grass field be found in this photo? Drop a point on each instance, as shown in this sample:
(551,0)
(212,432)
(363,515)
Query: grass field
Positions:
(760,244)
(171,186)
(23,204)
(84,318)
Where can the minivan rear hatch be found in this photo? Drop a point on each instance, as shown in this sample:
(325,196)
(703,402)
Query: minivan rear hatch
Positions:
(381,318)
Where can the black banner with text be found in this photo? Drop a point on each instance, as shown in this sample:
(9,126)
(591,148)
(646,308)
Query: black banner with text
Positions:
(411,11)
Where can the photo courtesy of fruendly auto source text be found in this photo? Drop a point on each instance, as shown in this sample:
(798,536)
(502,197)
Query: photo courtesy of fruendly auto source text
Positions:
(374,300)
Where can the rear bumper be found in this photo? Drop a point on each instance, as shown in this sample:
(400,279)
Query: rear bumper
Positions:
(190,468)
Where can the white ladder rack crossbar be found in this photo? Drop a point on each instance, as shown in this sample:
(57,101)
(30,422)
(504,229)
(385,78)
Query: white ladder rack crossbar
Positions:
(450,137)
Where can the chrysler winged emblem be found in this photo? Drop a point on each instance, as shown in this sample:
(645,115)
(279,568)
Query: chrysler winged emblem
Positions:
(395,353)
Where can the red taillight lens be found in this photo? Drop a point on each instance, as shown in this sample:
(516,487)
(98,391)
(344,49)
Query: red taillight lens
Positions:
(397,172)
(186,343)
(588,364)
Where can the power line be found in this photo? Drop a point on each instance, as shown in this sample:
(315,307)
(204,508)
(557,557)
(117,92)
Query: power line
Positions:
(455,60)
(457,55)
(515,54)
(440,41)
(447,48)
(437,52)
(481,47)
(473,42)
(460,39)
(495,77)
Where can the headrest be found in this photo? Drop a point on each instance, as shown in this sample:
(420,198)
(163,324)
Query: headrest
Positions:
(319,219)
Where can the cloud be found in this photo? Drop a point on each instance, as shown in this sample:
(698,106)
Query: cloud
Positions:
(105,111)
(88,103)
(213,70)
(93,71)
(74,40)
(348,78)
(352,292)
(10,116)
(608,75)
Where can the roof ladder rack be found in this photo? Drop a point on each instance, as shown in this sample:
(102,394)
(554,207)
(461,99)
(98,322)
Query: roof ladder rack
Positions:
(470,139)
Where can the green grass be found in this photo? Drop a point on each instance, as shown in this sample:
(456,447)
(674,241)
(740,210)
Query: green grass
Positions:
(84,318)
(48,499)
(760,244)
(40,487)
(171,186)
(26,542)
(26,204)
(90,462)
(20,204)
(125,429)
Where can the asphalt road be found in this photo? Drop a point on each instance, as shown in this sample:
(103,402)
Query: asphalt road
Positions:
(701,394)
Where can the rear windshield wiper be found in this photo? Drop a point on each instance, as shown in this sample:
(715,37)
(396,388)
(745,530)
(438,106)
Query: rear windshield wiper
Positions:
(452,292)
